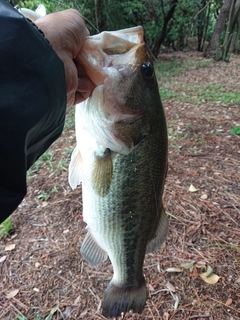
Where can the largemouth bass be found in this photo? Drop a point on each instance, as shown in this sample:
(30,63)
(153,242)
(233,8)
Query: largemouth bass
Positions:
(121,160)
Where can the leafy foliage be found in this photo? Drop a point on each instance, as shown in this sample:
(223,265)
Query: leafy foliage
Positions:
(195,18)
(6,227)
(235,130)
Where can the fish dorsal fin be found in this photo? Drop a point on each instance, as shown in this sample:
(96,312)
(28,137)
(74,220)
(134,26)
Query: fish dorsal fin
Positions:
(160,234)
(91,251)
(102,173)
(75,169)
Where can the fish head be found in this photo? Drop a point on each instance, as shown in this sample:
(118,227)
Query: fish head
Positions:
(120,62)
(126,94)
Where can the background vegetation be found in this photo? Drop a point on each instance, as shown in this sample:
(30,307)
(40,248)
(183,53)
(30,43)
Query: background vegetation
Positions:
(211,26)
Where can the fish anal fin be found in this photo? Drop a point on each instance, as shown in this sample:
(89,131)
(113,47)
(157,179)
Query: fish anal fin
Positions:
(120,299)
(91,251)
(160,233)
(75,169)
(102,173)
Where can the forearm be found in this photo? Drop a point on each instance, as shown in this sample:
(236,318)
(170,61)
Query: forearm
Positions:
(32,102)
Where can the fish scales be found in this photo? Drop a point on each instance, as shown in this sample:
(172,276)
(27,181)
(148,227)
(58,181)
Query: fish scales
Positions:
(121,159)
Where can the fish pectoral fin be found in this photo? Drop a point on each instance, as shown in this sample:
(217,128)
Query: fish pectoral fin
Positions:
(160,234)
(91,251)
(102,173)
(75,169)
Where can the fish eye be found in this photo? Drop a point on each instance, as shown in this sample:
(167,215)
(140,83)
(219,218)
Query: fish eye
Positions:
(147,70)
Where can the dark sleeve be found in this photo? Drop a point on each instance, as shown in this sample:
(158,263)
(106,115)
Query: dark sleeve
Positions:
(32,102)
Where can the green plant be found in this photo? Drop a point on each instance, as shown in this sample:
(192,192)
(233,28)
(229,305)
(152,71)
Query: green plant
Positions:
(44,196)
(235,130)
(6,227)
(167,70)
(202,64)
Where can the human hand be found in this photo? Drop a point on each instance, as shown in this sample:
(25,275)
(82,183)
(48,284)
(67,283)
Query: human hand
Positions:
(66,32)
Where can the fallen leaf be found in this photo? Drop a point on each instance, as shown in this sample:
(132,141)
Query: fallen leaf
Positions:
(3,258)
(200,264)
(12,294)
(150,287)
(166,315)
(67,312)
(77,300)
(187,265)
(44,204)
(10,247)
(192,188)
(173,269)
(170,287)
(209,271)
(238,280)
(228,302)
(83,313)
(210,280)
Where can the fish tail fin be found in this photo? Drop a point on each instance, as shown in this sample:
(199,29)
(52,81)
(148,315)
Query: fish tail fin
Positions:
(121,299)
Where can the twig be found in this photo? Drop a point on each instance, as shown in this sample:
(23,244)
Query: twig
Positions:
(207,315)
(223,304)
(230,246)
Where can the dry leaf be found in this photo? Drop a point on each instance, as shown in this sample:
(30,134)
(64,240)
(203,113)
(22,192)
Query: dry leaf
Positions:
(170,287)
(173,269)
(238,280)
(76,301)
(228,302)
(12,294)
(210,280)
(44,204)
(166,315)
(187,265)
(150,287)
(3,258)
(200,264)
(10,247)
(209,271)
(192,188)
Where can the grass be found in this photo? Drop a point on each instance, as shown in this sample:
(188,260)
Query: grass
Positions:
(6,227)
(201,93)
(39,316)
(165,70)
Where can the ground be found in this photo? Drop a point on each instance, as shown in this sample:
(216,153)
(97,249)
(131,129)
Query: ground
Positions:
(42,274)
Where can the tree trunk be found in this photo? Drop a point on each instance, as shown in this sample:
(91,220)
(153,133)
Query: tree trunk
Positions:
(99,15)
(158,42)
(232,22)
(237,39)
(213,49)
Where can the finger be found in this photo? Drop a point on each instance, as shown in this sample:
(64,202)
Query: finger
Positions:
(84,90)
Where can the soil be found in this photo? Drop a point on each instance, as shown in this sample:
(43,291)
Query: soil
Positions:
(43,276)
